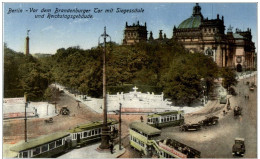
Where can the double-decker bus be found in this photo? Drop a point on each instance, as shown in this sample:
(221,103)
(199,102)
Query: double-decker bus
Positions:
(147,140)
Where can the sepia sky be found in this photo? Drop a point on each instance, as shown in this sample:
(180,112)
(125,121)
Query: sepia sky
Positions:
(48,35)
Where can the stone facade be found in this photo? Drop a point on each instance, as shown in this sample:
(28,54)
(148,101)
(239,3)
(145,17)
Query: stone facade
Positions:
(199,34)
(203,35)
(135,33)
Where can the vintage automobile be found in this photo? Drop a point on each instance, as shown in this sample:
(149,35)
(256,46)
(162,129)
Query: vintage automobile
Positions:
(190,127)
(64,111)
(50,120)
(238,148)
(237,111)
(212,120)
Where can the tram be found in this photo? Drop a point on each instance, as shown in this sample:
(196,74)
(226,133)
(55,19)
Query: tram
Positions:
(91,132)
(164,119)
(148,142)
(44,147)
(54,144)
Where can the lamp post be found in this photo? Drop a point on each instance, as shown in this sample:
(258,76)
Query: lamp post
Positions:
(25,118)
(120,126)
(105,130)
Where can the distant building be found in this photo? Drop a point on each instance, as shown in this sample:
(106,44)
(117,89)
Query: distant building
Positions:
(199,34)
(134,34)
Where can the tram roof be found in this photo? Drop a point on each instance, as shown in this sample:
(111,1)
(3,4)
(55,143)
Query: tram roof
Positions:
(91,125)
(38,141)
(164,113)
(145,128)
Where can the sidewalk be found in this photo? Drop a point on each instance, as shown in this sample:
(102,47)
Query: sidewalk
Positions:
(91,152)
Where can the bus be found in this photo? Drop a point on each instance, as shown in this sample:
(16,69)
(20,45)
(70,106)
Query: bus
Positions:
(171,148)
(141,135)
(165,119)
(46,146)
(147,141)
(91,132)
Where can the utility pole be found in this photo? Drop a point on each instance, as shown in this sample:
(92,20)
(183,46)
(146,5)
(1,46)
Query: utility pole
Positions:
(25,119)
(120,126)
(105,129)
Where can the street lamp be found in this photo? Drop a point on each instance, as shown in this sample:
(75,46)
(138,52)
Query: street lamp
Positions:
(25,118)
(105,129)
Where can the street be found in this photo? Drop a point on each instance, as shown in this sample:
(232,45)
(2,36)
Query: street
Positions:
(213,141)
(217,141)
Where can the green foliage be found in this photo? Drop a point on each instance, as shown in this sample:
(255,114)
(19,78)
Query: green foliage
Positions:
(182,83)
(23,74)
(229,77)
(151,67)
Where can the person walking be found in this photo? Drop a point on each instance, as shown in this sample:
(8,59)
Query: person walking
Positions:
(141,118)
(112,148)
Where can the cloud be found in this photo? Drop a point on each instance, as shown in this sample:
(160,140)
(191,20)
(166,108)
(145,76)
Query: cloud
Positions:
(47,28)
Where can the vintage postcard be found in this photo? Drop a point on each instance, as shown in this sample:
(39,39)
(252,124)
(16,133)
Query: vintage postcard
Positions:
(129,80)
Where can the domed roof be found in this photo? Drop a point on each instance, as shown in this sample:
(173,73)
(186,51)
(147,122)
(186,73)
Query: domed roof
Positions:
(194,21)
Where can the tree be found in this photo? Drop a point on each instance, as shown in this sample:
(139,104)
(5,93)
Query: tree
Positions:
(229,77)
(182,82)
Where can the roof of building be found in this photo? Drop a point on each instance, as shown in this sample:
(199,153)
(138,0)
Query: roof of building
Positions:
(143,127)
(38,141)
(237,36)
(192,22)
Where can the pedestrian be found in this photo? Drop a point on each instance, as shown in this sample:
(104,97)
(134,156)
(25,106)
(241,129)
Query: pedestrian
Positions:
(112,148)
(141,118)
(224,112)
(78,105)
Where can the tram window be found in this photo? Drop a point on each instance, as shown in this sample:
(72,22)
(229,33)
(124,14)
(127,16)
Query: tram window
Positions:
(92,132)
(25,154)
(58,142)
(85,134)
(161,120)
(89,133)
(149,120)
(52,145)
(96,131)
(36,151)
(45,148)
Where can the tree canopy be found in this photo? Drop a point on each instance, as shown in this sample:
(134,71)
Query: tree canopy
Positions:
(152,66)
